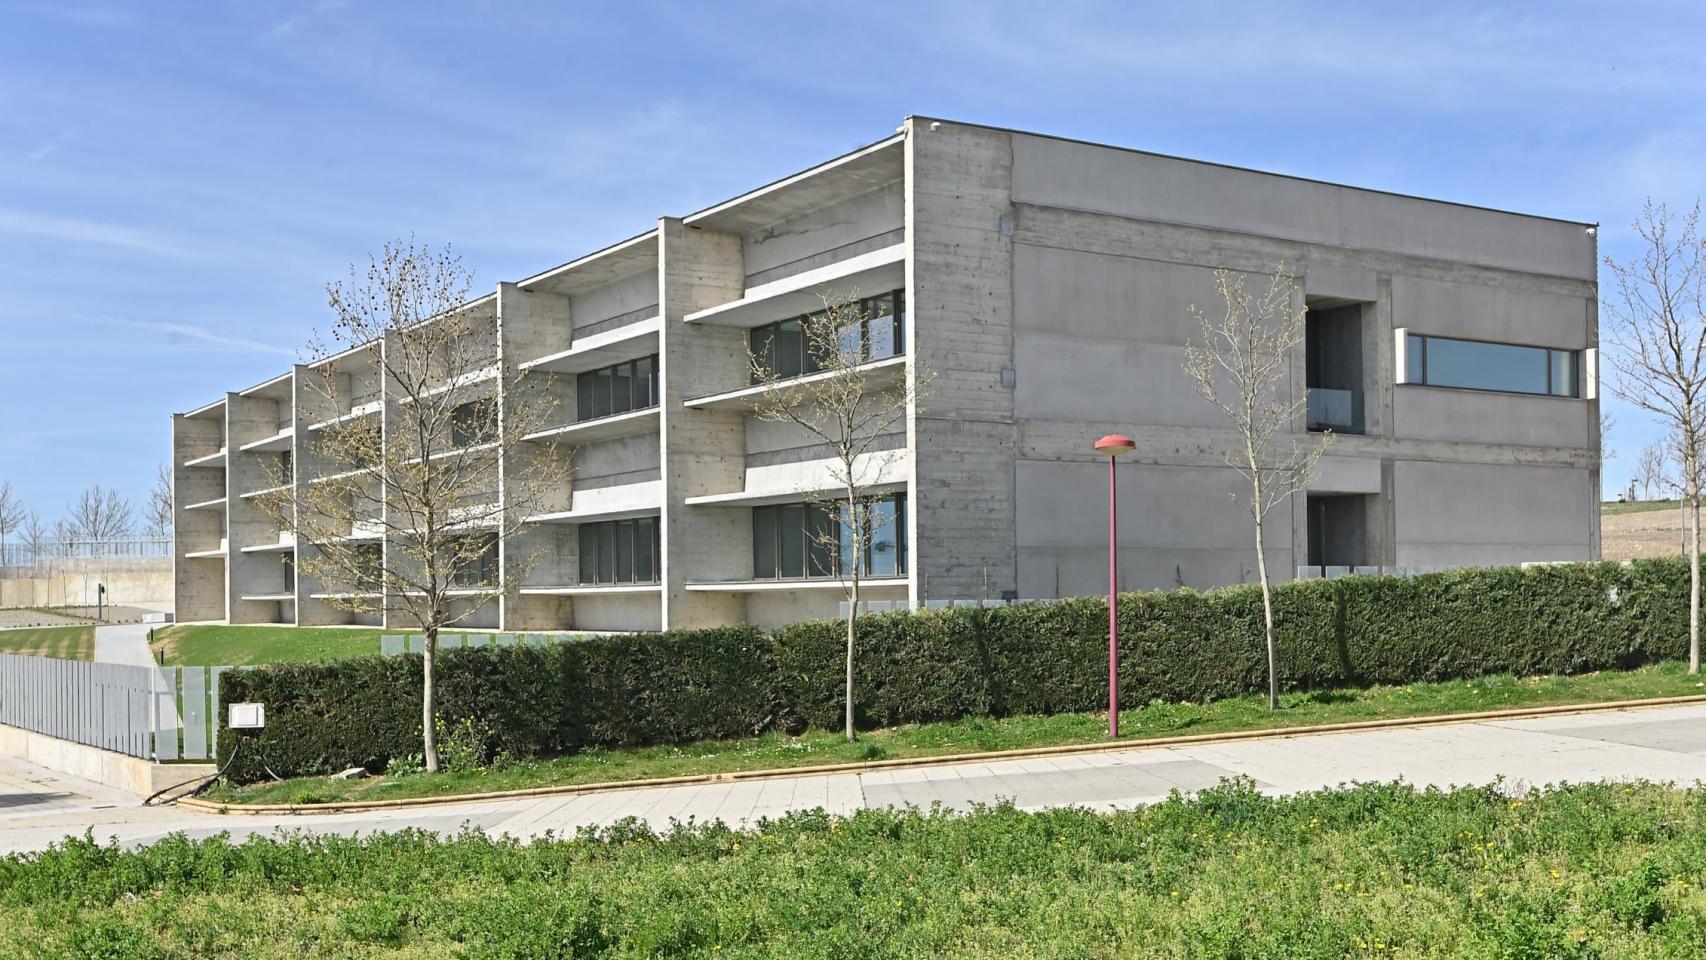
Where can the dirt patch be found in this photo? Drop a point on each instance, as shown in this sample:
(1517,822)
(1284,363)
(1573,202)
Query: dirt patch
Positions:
(1649,533)
(67,616)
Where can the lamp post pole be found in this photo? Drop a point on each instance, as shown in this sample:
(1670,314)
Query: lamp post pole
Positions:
(1113,445)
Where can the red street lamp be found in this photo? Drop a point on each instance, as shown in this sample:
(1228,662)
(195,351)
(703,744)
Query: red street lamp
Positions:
(1114,445)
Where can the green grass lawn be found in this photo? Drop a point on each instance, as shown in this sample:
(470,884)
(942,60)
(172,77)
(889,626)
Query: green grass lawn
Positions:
(66,643)
(1598,871)
(776,750)
(215,645)
(1612,509)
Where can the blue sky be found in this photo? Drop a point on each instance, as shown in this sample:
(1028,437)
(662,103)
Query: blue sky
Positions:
(178,181)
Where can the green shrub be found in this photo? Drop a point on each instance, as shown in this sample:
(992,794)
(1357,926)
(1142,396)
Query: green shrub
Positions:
(1034,658)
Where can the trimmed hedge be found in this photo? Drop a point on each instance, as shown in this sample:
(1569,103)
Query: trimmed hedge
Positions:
(1037,658)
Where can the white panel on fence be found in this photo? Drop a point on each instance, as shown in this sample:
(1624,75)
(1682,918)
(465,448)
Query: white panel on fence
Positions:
(508,639)
(937,604)
(166,714)
(391,644)
(882,606)
(479,640)
(415,643)
(195,713)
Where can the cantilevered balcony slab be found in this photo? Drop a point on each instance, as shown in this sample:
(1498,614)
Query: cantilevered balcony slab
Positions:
(778,586)
(214,459)
(259,597)
(603,349)
(355,412)
(207,504)
(594,589)
(278,441)
(881,374)
(250,495)
(759,498)
(865,275)
(280,547)
(633,423)
(594,514)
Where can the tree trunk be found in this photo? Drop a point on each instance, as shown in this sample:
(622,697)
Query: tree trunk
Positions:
(1694,581)
(1267,619)
(852,620)
(429,705)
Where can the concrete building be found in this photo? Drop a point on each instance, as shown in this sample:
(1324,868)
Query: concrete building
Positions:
(1047,282)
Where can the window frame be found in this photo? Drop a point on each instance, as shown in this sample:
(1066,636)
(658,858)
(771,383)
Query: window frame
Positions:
(808,364)
(1417,346)
(812,553)
(646,389)
(616,541)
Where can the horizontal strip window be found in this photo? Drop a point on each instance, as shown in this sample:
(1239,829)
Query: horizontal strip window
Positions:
(1500,367)
(473,561)
(876,330)
(474,423)
(621,551)
(800,541)
(618,388)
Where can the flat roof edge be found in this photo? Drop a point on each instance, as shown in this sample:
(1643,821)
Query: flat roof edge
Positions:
(583,260)
(1265,173)
(833,162)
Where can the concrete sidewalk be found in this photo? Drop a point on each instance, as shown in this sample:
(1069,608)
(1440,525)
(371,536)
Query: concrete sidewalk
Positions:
(1656,743)
(124,643)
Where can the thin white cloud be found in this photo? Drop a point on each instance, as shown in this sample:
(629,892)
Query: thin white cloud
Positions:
(176,332)
(91,232)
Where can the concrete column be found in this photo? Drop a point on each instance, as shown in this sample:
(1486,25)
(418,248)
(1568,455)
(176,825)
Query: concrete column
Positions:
(198,584)
(530,326)
(959,187)
(703,451)
(248,419)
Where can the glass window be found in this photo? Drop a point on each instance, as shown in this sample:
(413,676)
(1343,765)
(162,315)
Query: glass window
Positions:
(814,540)
(624,533)
(606,553)
(472,423)
(883,553)
(622,388)
(764,543)
(583,396)
(645,384)
(1503,367)
(645,550)
(601,391)
(878,333)
(589,553)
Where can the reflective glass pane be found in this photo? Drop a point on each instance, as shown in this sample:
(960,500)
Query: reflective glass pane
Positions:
(790,348)
(622,388)
(1566,373)
(1413,362)
(583,396)
(880,338)
(624,531)
(1485,366)
(589,553)
(791,529)
(645,383)
(644,529)
(606,553)
(764,542)
(884,551)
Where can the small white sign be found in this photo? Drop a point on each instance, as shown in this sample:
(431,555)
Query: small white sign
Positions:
(248,716)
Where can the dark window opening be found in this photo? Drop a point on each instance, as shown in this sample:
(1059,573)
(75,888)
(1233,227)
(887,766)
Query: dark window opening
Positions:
(621,551)
(619,388)
(1333,368)
(799,541)
(473,423)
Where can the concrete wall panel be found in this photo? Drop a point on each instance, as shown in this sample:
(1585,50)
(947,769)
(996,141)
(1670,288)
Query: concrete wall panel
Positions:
(1466,513)
(1478,312)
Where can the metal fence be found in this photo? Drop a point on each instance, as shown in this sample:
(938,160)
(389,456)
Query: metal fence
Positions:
(28,554)
(156,713)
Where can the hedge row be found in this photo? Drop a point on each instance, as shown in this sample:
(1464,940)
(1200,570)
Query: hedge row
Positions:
(1039,658)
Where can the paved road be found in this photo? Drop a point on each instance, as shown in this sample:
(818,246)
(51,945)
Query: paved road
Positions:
(125,643)
(1668,744)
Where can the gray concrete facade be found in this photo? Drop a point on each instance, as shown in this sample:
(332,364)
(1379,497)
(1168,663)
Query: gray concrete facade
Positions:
(1048,286)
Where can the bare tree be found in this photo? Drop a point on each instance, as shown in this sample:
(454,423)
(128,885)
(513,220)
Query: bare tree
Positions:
(1243,367)
(406,511)
(11,515)
(1652,469)
(157,517)
(1658,338)
(1606,422)
(100,513)
(37,535)
(849,404)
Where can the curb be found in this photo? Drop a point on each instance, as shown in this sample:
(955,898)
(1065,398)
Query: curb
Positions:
(823,770)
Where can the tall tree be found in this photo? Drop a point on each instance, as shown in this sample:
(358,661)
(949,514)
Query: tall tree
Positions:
(1243,368)
(405,512)
(37,536)
(857,397)
(157,516)
(1657,336)
(12,514)
(100,513)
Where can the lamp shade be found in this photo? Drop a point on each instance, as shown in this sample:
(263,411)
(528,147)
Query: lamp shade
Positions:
(1115,444)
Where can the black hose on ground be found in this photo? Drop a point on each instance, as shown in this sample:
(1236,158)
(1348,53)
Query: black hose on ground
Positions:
(205,782)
